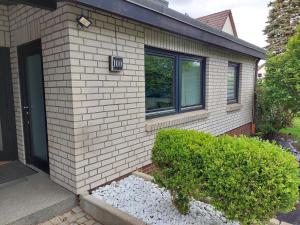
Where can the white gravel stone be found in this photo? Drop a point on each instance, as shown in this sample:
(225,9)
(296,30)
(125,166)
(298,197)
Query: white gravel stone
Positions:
(146,201)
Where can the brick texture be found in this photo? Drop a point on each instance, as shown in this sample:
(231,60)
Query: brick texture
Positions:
(4,27)
(96,118)
(112,138)
(242,130)
(28,24)
(148,169)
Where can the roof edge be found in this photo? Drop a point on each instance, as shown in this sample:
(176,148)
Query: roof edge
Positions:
(49,4)
(175,22)
(226,10)
(233,24)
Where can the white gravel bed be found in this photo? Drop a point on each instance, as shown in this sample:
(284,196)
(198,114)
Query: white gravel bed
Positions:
(146,201)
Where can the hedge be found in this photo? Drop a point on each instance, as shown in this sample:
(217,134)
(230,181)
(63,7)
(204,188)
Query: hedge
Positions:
(249,180)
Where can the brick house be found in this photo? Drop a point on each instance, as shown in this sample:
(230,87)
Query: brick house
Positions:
(65,111)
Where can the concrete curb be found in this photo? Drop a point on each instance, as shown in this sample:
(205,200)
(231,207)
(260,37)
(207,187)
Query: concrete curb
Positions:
(105,213)
(277,222)
(144,176)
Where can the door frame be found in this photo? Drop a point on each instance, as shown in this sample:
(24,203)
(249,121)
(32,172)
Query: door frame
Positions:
(23,51)
(10,150)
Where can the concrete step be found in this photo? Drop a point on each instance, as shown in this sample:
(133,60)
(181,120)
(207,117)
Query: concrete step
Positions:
(33,199)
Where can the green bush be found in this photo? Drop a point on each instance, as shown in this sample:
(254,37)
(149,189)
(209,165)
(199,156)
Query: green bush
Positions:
(278,94)
(247,179)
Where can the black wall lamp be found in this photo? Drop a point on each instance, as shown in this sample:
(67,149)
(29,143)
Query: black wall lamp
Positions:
(83,22)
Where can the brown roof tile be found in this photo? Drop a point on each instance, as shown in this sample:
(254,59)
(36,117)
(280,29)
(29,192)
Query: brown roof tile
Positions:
(218,20)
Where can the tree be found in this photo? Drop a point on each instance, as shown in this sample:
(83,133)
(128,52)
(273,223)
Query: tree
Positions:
(279,93)
(284,16)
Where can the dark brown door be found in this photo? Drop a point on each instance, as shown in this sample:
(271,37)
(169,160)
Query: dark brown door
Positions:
(8,146)
(33,104)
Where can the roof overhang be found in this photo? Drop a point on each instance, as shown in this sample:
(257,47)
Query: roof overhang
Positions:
(45,4)
(160,17)
(175,22)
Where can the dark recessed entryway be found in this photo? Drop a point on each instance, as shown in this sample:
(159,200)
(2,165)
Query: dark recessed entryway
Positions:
(33,104)
(8,146)
(12,171)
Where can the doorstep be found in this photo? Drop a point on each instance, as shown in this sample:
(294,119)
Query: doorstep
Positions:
(33,199)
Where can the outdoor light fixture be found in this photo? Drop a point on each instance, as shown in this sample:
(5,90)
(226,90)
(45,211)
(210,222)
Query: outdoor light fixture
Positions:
(83,22)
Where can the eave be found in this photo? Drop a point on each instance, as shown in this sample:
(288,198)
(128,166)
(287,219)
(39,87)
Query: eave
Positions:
(175,22)
(162,18)
(44,4)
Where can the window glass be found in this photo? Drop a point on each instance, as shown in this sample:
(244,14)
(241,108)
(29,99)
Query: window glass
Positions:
(174,82)
(232,82)
(190,82)
(159,75)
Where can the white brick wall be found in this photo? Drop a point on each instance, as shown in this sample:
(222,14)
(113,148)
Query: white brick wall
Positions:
(28,24)
(4,27)
(111,138)
(95,118)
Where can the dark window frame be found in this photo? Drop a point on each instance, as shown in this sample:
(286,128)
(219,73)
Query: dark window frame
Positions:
(237,67)
(177,82)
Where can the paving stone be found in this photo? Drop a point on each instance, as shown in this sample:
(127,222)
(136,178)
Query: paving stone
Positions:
(77,217)
(74,217)
(47,223)
(55,220)
(274,222)
(76,210)
(90,222)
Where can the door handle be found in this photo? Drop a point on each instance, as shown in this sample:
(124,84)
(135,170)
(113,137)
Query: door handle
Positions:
(26,109)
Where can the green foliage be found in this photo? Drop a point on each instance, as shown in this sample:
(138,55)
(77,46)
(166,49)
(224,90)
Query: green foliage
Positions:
(173,154)
(294,130)
(247,179)
(271,114)
(278,95)
(159,77)
(282,22)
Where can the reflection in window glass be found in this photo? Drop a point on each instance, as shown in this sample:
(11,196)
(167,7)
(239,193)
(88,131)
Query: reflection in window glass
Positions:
(231,83)
(190,82)
(159,72)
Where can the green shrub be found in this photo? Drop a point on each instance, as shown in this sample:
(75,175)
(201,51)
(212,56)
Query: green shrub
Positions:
(247,179)
(278,94)
(173,155)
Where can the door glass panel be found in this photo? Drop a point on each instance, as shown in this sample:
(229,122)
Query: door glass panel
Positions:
(1,138)
(190,82)
(36,107)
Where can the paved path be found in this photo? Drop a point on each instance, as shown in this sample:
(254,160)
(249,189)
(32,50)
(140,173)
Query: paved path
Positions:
(77,217)
(74,217)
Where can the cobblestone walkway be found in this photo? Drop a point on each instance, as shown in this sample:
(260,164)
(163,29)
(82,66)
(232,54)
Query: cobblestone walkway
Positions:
(77,217)
(74,217)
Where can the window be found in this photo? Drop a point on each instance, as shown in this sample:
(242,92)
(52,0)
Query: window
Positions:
(160,71)
(233,83)
(174,82)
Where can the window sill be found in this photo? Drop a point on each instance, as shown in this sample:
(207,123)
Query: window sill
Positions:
(173,120)
(234,107)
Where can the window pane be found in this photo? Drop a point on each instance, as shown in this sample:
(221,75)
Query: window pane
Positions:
(159,72)
(190,82)
(231,83)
